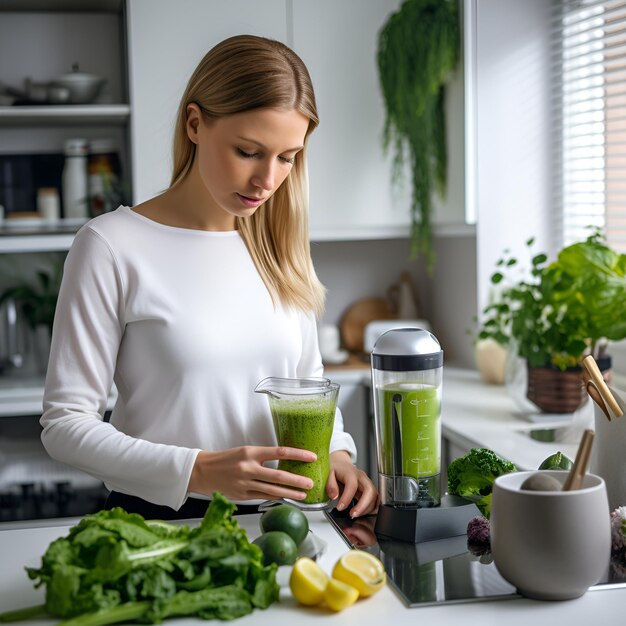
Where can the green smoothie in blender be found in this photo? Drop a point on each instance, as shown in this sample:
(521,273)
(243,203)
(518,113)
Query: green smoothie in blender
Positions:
(416,409)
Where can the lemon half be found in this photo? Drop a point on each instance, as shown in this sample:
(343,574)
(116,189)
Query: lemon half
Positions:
(308,582)
(339,595)
(361,570)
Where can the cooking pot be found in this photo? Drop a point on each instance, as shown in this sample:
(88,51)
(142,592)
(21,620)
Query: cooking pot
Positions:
(58,94)
(83,87)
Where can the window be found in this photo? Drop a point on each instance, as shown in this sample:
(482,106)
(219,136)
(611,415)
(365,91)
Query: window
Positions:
(589,96)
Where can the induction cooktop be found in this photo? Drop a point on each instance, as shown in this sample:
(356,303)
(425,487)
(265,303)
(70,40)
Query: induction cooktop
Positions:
(437,572)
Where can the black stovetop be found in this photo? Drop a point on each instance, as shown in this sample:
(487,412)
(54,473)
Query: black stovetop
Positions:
(435,572)
(45,500)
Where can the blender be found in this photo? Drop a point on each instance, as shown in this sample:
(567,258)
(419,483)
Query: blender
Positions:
(407,374)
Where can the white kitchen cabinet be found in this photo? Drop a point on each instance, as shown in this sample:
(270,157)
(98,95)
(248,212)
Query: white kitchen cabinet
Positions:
(351,191)
(350,177)
(351,194)
(166,41)
(353,405)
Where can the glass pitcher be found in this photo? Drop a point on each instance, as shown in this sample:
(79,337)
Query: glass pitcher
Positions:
(303,411)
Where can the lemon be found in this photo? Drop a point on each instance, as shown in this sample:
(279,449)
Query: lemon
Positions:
(361,570)
(339,595)
(308,582)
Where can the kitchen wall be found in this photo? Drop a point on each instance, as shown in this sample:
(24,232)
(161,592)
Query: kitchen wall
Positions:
(514,134)
(350,269)
(358,269)
(351,196)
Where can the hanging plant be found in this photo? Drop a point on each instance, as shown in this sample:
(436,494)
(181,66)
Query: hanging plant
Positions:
(418,49)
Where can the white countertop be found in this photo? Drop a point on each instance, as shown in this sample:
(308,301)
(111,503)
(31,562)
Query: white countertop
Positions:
(475,414)
(24,547)
(24,396)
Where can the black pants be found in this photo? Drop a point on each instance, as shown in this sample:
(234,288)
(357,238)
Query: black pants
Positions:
(193,507)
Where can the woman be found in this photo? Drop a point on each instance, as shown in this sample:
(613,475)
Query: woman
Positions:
(188,300)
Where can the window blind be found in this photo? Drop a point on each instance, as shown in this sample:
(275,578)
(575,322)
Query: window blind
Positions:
(589,107)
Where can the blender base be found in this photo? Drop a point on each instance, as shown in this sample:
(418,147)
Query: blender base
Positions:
(415,525)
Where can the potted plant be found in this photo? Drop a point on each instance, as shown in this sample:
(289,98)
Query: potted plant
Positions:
(563,311)
(418,49)
(37,301)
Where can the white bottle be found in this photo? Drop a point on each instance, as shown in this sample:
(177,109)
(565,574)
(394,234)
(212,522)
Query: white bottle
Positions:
(48,203)
(75,190)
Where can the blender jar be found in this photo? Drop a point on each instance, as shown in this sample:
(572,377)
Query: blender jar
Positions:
(407,371)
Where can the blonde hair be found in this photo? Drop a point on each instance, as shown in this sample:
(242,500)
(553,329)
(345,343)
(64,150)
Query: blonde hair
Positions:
(240,74)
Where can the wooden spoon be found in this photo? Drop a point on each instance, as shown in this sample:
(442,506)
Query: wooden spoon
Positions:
(595,385)
(576,475)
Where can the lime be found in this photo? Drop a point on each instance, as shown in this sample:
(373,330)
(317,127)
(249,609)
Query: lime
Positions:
(308,582)
(361,570)
(339,595)
(556,461)
(277,547)
(287,519)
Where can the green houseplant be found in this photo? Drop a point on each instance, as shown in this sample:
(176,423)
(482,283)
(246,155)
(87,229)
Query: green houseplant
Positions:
(37,299)
(418,49)
(563,311)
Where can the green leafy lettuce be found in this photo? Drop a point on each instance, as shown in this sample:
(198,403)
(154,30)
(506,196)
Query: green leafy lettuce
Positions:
(115,566)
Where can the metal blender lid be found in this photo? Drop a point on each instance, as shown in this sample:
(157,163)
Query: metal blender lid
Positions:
(407,349)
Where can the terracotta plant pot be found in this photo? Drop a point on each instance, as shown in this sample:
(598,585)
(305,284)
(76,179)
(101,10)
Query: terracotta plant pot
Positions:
(560,391)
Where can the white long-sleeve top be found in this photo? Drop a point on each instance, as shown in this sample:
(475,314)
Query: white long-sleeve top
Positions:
(181,321)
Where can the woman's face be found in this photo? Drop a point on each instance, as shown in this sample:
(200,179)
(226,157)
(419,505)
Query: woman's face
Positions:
(242,159)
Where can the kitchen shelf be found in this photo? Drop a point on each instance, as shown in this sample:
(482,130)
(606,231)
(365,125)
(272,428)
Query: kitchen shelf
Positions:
(24,396)
(60,115)
(56,238)
(40,238)
(53,6)
(363,233)
(35,243)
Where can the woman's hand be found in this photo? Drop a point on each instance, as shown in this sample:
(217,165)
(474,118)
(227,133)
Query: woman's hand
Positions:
(239,473)
(356,484)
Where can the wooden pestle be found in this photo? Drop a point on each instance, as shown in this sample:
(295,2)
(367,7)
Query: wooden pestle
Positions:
(576,475)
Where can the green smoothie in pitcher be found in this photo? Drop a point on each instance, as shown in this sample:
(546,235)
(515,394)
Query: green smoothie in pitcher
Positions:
(306,424)
(416,408)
